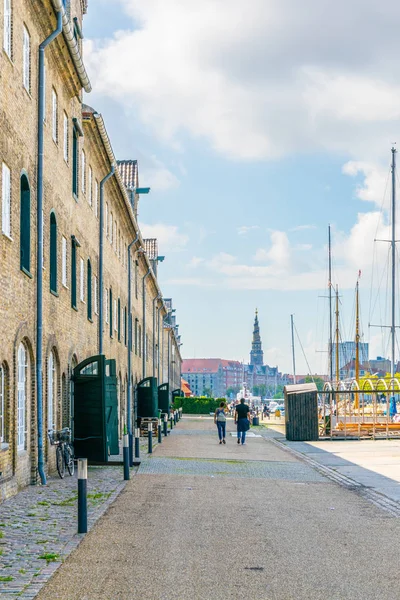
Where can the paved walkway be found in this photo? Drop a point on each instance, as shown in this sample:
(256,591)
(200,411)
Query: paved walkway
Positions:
(202,521)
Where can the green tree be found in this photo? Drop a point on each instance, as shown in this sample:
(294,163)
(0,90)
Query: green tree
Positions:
(233,390)
(208,392)
(279,393)
(319,382)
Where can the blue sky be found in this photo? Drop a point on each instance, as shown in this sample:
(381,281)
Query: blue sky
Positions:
(255,127)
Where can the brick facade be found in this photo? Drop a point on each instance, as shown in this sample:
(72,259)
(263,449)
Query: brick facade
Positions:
(70,334)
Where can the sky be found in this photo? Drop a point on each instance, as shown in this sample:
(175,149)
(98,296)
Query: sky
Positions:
(257,124)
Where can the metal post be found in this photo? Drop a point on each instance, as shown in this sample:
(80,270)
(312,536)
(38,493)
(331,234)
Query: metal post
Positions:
(330,306)
(165,424)
(82,495)
(126,457)
(159,432)
(171,422)
(129,407)
(293,355)
(393,328)
(101,248)
(150,437)
(136,461)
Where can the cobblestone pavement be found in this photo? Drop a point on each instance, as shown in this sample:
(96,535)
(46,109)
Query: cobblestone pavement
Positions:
(286,471)
(38,528)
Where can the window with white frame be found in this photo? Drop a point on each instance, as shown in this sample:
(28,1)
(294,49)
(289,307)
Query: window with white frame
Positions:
(90,186)
(82,280)
(64,261)
(2,405)
(96,294)
(115,235)
(96,198)
(66,138)
(51,391)
(106,311)
(106,220)
(83,166)
(7,44)
(21,403)
(6,201)
(115,316)
(111,229)
(54,113)
(26,60)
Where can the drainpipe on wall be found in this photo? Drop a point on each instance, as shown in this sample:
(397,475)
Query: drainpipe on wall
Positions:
(129,407)
(101,245)
(158,344)
(154,334)
(144,346)
(39,253)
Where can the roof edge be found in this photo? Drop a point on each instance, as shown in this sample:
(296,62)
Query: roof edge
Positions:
(73,46)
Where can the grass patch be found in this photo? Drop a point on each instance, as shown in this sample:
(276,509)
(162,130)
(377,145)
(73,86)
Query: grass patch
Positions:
(50,557)
(1,535)
(2,525)
(42,542)
(44,503)
(22,571)
(31,514)
(6,578)
(67,502)
(98,495)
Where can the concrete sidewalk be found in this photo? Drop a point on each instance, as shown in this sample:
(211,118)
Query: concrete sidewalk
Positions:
(202,521)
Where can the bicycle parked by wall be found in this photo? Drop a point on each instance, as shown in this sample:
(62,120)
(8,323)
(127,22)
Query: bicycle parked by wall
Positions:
(64,450)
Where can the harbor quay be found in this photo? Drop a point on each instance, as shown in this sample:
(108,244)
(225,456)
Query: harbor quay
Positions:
(268,520)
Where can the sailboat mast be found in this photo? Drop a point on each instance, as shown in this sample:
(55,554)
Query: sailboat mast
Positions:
(393,244)
(337,336)
(330,305)
(293,357)
(357,335)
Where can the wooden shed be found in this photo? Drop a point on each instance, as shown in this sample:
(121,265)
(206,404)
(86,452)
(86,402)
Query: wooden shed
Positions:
(301,412)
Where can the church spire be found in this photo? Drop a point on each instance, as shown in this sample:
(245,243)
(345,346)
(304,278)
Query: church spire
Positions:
(256,354)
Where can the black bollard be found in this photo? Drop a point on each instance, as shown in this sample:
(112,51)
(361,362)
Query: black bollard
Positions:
(82,495)
(159,431)
(126,457)
(136,461)
(165,424)
(150,434)
(175,421)
(130,441)
(171,422)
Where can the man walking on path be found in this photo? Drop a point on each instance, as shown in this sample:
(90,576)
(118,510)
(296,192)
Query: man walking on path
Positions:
(242,418)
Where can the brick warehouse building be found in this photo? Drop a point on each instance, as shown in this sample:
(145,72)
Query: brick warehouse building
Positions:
(53,253)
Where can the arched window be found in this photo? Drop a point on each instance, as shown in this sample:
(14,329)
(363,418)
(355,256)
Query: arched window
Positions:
(53,253)
(51,391)
(111,313)
(89,290)
(21,405)
(25,225)
(119,320)
(3,405)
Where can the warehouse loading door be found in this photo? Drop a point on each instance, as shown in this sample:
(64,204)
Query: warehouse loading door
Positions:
(95,409)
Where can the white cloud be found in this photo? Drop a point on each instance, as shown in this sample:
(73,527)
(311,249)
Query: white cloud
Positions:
(303,227)
(376,180)
(195,262)
(155,174)
(168,236)
(260,79)
(245,229)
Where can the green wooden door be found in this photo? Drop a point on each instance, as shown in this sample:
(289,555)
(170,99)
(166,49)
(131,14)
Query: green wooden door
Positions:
(163,398)
(111,406)
(89,421)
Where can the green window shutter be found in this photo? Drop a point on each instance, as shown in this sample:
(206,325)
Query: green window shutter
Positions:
(75,163)
(25,225)
(73,274)
(89,290)
(53,253)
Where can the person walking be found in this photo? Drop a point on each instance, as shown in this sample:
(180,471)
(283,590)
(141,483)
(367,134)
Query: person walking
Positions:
(220,420)
(242,419)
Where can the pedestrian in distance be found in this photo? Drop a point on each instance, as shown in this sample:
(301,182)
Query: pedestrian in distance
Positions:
(220,420)
(242,420)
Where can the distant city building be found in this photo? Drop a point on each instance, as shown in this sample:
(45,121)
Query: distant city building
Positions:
(216,375)
(347,352)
